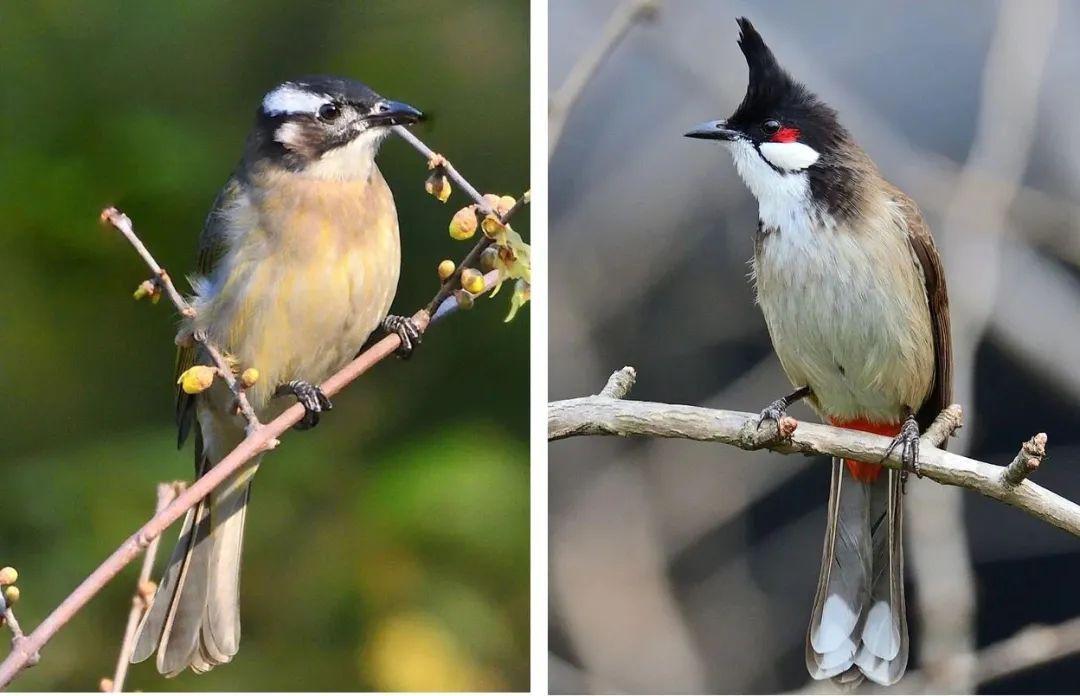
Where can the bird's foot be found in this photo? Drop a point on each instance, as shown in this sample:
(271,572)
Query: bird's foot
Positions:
(311,397)
(407,330)
(908,441)
(774,412)
(777,412)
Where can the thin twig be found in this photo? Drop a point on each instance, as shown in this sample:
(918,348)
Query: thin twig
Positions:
(144,590)
(162,280)
(453,282)
(1026,461)
(619,383)
(19,641)
(625,16)
(597,415)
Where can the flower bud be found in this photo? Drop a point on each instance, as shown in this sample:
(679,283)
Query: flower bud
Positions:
(438,185)
(446,269)
(472,280)
(249,377)
(197,379)
(463,224)
(464,299)
(8,575)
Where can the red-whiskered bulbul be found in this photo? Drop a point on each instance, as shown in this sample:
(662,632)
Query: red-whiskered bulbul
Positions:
(853,293)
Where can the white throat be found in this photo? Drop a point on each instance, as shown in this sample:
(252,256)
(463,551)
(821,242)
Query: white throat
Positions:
(349,162)
(783,197)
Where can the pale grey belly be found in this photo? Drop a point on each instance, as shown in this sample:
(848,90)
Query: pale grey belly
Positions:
(853,327)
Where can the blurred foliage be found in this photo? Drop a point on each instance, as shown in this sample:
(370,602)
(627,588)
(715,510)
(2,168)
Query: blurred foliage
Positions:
(388,549)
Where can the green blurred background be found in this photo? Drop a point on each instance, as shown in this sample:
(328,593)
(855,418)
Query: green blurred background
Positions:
(387,549)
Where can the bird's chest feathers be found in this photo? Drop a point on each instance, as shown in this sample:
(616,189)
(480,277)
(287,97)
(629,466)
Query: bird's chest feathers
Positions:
(846,310)
(312,269)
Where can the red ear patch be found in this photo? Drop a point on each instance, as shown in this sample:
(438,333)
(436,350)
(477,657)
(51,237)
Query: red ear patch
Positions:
(786,135)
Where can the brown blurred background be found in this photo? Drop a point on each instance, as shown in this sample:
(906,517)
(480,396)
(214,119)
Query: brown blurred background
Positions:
(685,567)
(388,548)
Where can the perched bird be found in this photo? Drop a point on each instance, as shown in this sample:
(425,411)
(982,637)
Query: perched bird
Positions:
(853,294)
(298,263)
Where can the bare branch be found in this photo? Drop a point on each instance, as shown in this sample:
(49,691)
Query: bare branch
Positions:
(600,415)
(144,590)
(19,641)
(162,281)
(1026,461)
(619,383)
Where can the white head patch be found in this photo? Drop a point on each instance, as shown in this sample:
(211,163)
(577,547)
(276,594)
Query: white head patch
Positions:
(292,99)
(791,157)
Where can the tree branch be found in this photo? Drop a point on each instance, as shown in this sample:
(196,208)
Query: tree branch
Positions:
(600,415)
(259,438)
(144,590)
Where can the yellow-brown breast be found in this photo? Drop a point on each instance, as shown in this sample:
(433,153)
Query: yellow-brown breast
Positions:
(311,270)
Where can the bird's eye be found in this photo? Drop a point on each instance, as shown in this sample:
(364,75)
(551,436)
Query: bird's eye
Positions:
(770,127)
(329,112)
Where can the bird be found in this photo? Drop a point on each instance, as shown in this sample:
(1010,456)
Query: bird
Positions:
(853,294)
(298,263)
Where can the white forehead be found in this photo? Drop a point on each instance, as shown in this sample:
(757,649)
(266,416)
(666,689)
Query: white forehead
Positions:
(293,99)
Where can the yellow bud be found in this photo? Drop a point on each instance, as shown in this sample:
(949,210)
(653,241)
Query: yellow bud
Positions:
(105,684)
(147,288)
(446,269)
(463,224)
(492,226)
(197,379)
(11,594)
(8,576)
(464,299)
(488,258)
(492,200)
(438,185)
(249,377)
(472,280)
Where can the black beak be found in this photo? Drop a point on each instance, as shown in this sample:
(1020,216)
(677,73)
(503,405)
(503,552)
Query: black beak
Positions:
(392,113)
(713,130)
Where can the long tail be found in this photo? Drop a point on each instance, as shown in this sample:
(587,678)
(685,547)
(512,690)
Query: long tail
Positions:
(194,617)
(859,627)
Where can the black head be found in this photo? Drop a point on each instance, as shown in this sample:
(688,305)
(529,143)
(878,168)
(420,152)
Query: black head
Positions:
(782,130)
(321,119)
(776,108)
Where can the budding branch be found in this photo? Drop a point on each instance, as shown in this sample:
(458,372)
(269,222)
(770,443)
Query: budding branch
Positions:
(260,437)
(610,414)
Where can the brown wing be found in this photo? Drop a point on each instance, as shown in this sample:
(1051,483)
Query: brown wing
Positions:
(211,249)
(922,244)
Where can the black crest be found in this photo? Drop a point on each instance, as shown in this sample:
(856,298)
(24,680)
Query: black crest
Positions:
(769,83)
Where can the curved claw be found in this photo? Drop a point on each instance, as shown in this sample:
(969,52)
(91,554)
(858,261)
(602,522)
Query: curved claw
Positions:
(774,412)
(406,330)
(908,440)
(311,397)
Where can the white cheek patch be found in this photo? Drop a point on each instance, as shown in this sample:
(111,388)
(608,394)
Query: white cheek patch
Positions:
(288,133)
(789,157)
(290,99)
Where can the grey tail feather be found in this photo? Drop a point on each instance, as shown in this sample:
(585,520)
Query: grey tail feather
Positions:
(858,627)
(194,617)
(884,653)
